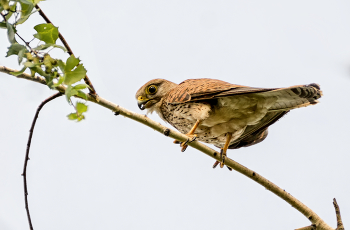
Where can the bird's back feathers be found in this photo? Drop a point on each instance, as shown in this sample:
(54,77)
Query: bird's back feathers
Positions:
(205,89)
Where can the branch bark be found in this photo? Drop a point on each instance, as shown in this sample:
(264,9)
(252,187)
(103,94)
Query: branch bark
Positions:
(340,225)
(307,212)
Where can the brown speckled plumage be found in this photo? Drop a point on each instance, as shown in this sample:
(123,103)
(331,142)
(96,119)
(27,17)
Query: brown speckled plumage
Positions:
(223,108)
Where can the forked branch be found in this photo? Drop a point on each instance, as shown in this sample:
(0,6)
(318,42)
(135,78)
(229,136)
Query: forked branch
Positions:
(311,215)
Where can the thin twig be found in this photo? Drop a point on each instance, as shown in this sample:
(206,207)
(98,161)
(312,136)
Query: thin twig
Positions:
(307,212)
(340,225)
(3,16)
(47,20)
(27,43)
(24,174)
(69,50)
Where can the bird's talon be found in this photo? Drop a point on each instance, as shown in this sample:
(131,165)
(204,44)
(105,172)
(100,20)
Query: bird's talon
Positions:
(215,164)
(190,139)
(194,138)
(223,156)
(176,142)
(183,149)
(185,143)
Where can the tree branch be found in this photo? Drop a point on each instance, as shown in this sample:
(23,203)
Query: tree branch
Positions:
(307,212)
(26,159)
(311,227)
(27,43)
(340,225)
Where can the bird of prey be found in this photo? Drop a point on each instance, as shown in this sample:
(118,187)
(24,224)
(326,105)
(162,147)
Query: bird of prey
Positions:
(216,112)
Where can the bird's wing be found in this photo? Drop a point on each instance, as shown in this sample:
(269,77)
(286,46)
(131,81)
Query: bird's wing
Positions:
(257,133)
(203,89)
(206,89)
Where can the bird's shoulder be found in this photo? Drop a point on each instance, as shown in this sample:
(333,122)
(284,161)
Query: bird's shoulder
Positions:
(192,89)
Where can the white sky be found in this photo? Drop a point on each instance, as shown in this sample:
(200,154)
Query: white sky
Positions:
(109,172)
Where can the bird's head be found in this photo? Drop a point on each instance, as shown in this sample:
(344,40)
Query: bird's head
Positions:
(152,92)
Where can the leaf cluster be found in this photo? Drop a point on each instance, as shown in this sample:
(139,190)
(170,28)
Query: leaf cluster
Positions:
(37,59)
(78,115)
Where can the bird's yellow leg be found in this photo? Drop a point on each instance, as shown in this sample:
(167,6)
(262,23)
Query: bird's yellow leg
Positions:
(191,136)
(191,132)
(223,151)
(228,139)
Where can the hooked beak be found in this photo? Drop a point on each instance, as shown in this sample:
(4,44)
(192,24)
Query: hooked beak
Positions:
(141,102)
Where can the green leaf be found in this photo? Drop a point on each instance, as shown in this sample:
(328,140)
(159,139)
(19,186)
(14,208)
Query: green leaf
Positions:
(11,33)
(14,49)
(80,86)
(35,68)
(29,56)
(47,33)
(59,82)
(74,76)
(32,72)
(11,11)
(21,54)
(26,10)
(25,1)
(70,92)
(45,46)
(81,107)
(62,65)
(49,79)
(72,116)
(82,95)
(39,71)
(71,63)
(60,47)
(18,72)
(30,64)
(80,118)
(47,61)
(36,1)
(5,4)
(42,47)
(3,25)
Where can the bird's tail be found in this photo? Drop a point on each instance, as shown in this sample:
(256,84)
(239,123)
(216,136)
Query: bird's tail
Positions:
(294,97)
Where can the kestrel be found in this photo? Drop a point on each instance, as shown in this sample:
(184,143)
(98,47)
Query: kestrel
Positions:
(216,112)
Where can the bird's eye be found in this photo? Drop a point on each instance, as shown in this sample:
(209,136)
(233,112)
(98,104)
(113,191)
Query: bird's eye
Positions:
(152,89)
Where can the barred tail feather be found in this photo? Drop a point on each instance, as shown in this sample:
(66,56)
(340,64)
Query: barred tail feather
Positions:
(294,97)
